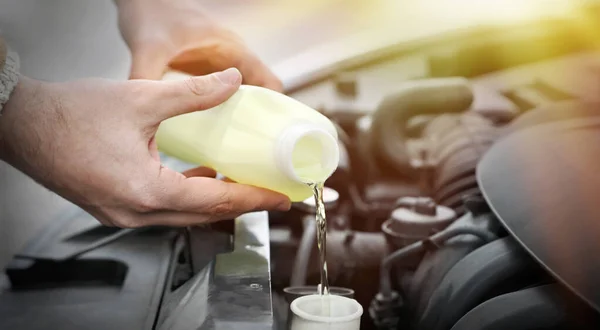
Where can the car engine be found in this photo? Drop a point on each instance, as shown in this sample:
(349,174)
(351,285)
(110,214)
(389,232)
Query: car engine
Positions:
(414,234)
(442,259)
(466,160)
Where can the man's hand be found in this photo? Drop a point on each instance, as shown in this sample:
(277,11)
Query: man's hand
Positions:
(179,34)
(92,142)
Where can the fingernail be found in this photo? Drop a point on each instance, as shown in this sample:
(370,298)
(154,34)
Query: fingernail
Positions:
(284,206)
(230,76)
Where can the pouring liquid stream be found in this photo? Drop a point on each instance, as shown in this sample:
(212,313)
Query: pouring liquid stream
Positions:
(321,220)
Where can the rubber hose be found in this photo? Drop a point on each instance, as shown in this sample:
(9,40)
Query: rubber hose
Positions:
(500,265)
(388,133)
(436,264)
(385,287)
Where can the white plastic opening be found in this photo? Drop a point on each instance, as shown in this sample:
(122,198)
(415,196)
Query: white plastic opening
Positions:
(308,312)
(307,153)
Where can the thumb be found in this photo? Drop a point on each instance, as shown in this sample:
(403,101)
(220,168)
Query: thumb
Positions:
(197,93)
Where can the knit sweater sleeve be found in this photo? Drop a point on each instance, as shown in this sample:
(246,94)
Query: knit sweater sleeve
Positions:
(9,72)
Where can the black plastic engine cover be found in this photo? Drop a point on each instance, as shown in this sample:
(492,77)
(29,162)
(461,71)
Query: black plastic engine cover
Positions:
(118,286)
(539,307)
(496,268)
(216,279)
(544,186)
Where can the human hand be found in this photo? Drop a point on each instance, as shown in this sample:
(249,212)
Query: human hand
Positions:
(92,142)
(178,34)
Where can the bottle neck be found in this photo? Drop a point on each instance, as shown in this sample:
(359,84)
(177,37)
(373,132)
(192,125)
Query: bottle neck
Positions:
(307,153)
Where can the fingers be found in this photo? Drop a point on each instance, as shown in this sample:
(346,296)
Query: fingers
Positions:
(257,73)
(273,83)
(179,219)
(200,171)
(203,60)
(174,219)
(221,200)
(153,149)
(148,62)
(196,93)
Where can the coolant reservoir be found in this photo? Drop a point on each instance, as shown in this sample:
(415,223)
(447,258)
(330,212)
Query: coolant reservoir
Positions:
(258,137)
(308,313)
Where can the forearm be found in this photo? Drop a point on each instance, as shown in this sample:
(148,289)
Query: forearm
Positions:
(11,127)
(9,72)
(9,109)
(9,79)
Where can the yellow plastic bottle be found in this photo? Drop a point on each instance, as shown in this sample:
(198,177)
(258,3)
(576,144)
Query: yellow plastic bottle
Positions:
(257,137)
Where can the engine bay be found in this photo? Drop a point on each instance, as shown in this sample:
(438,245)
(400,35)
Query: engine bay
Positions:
(412,233)
(429,213)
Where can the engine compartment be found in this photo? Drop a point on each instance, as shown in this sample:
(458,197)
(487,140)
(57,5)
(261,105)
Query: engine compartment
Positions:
(411,157)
